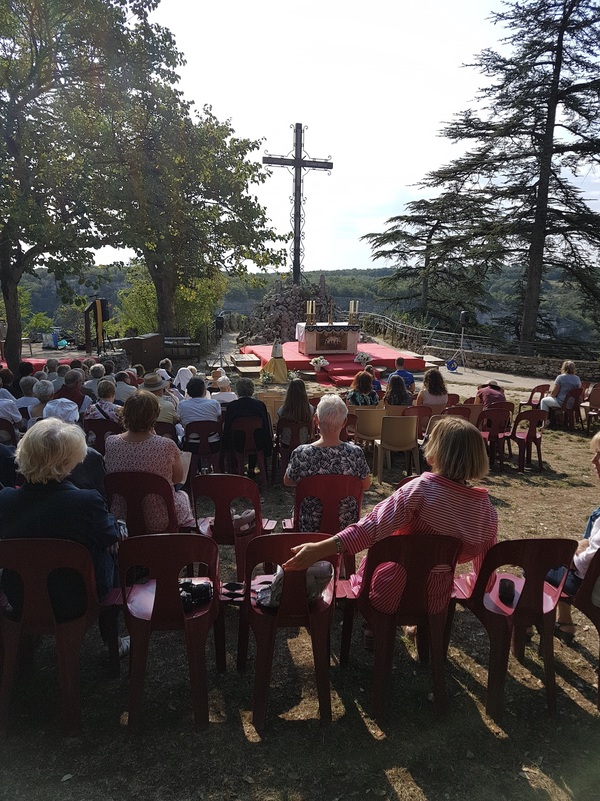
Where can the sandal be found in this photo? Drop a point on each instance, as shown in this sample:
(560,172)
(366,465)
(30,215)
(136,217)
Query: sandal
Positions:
(564,636)
(124,647)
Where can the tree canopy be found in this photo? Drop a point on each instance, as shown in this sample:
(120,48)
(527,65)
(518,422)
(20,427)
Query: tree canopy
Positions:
(535,129)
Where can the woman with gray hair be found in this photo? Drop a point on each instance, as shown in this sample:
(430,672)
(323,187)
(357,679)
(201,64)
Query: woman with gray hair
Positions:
(327,456)
(43,391)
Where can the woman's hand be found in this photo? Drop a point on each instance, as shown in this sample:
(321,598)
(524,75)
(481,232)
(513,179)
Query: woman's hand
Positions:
(306,555)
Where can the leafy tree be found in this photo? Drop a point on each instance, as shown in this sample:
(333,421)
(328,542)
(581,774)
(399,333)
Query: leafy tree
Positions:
(536,129)
(58,61)
(181,189)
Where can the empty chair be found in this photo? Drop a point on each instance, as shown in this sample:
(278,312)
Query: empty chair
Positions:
(397,434)
(223,489)
(493,426)
(535,396)
(428,562)
(459,411)
(395,411)
(156,605)
(591,406)
(247,433)
(534,603)
(198,439)
(422,413)
(368,423)
(38,616)
(294,609)
(453,399)
(527,437)
(101,429)
(135,488)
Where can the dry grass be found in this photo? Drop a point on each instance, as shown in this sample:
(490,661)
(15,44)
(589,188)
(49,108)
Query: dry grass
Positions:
(414,756)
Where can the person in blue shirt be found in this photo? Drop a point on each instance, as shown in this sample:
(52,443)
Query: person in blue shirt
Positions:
(409,379)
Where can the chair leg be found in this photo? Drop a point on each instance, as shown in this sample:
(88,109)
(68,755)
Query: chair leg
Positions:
(498,667)
(347,622)
(219,635)
(378,461)
(10,640)
(195,640)
(138,656)
(384,632)
(437,626)
(242,643)
(68,641)
(321,655)
(547,648)
(265,648)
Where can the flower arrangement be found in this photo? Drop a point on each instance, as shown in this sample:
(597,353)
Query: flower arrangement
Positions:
(362,358)
(318,362)
(266,377)
(293,375)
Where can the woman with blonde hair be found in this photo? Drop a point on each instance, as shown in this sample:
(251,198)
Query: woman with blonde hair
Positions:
(440,502)
(434,392)
(49,505)
(141,450)
(563,383)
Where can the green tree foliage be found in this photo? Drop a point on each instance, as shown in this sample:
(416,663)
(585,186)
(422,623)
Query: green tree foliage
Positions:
(536,129)
(61,65)
(195,304)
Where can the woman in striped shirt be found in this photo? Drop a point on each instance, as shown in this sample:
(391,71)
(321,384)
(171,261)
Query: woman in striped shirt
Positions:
(440,502)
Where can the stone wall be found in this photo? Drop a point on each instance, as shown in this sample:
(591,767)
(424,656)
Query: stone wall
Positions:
(541,366)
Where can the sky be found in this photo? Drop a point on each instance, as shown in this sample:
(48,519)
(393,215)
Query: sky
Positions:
(373,82)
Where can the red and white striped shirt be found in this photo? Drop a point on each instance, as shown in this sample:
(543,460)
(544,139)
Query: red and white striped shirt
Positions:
(430,504)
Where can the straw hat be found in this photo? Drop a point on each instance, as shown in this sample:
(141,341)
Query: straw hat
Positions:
(153,382)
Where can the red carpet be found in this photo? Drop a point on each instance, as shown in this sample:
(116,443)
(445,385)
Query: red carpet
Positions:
(342,368)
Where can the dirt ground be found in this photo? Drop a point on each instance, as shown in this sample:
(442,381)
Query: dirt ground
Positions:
(413,756)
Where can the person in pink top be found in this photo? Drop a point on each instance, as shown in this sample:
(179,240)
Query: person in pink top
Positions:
(440,502)
(489,393)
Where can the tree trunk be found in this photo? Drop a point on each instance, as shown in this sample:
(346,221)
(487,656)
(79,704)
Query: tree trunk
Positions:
(12,343)
(535,256)
(164,280)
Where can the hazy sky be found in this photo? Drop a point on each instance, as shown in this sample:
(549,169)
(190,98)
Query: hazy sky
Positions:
(373,83)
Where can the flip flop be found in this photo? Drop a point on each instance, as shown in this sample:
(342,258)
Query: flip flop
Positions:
(564,636)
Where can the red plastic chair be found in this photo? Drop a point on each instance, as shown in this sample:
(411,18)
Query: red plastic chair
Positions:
(453,399)
(348,431)
(101,429)
(282,451)
(244,444)
(493,424)
(134,487)
(587,600)
(294,610)
(527,438)
(458,411)
(422,413)
(535,396)
(569,410)
(591,406)
(534,604)
(37,617)
(419,555)
(166,430)
(156,606)
(197,434)
(331,491)
(6,425)
(223,489)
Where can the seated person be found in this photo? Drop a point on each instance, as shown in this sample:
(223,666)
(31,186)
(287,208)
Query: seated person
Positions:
(156,384)
(563,383)
(361,392)
(327,456)
(434,392)
(407,377)
(376,382)
(9,411)
(198,407)
(71,390)
(297,409)
(489,393)
(224,395)
(123,387)
(247,406)
(27,399)
(97,374)
(586,550)
(49,505)
(43,391)
(396,393)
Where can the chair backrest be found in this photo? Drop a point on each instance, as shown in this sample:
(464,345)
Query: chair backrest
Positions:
(395,411)
(294,608)
(200,431)
(331,491)
(571,400)
(536,395)
(223,489)
(164,556)
(493,421)
(586,599)
(422,413)
(535,418)
(536,557)
(420,555)
(6,425)
(101,429)
(399,433)
(134,487)
(432,422)
(295,430)
(166,430)
(242,432)
(368,422)
(594,397)
(458,411)
(349,428)
(35,560)
(314,402)
(453,399)
(469,401)
(508,406)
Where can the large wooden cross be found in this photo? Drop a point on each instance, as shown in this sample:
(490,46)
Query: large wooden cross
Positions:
(298,163)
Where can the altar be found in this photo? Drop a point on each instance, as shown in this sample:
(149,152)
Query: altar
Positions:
(321,338)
